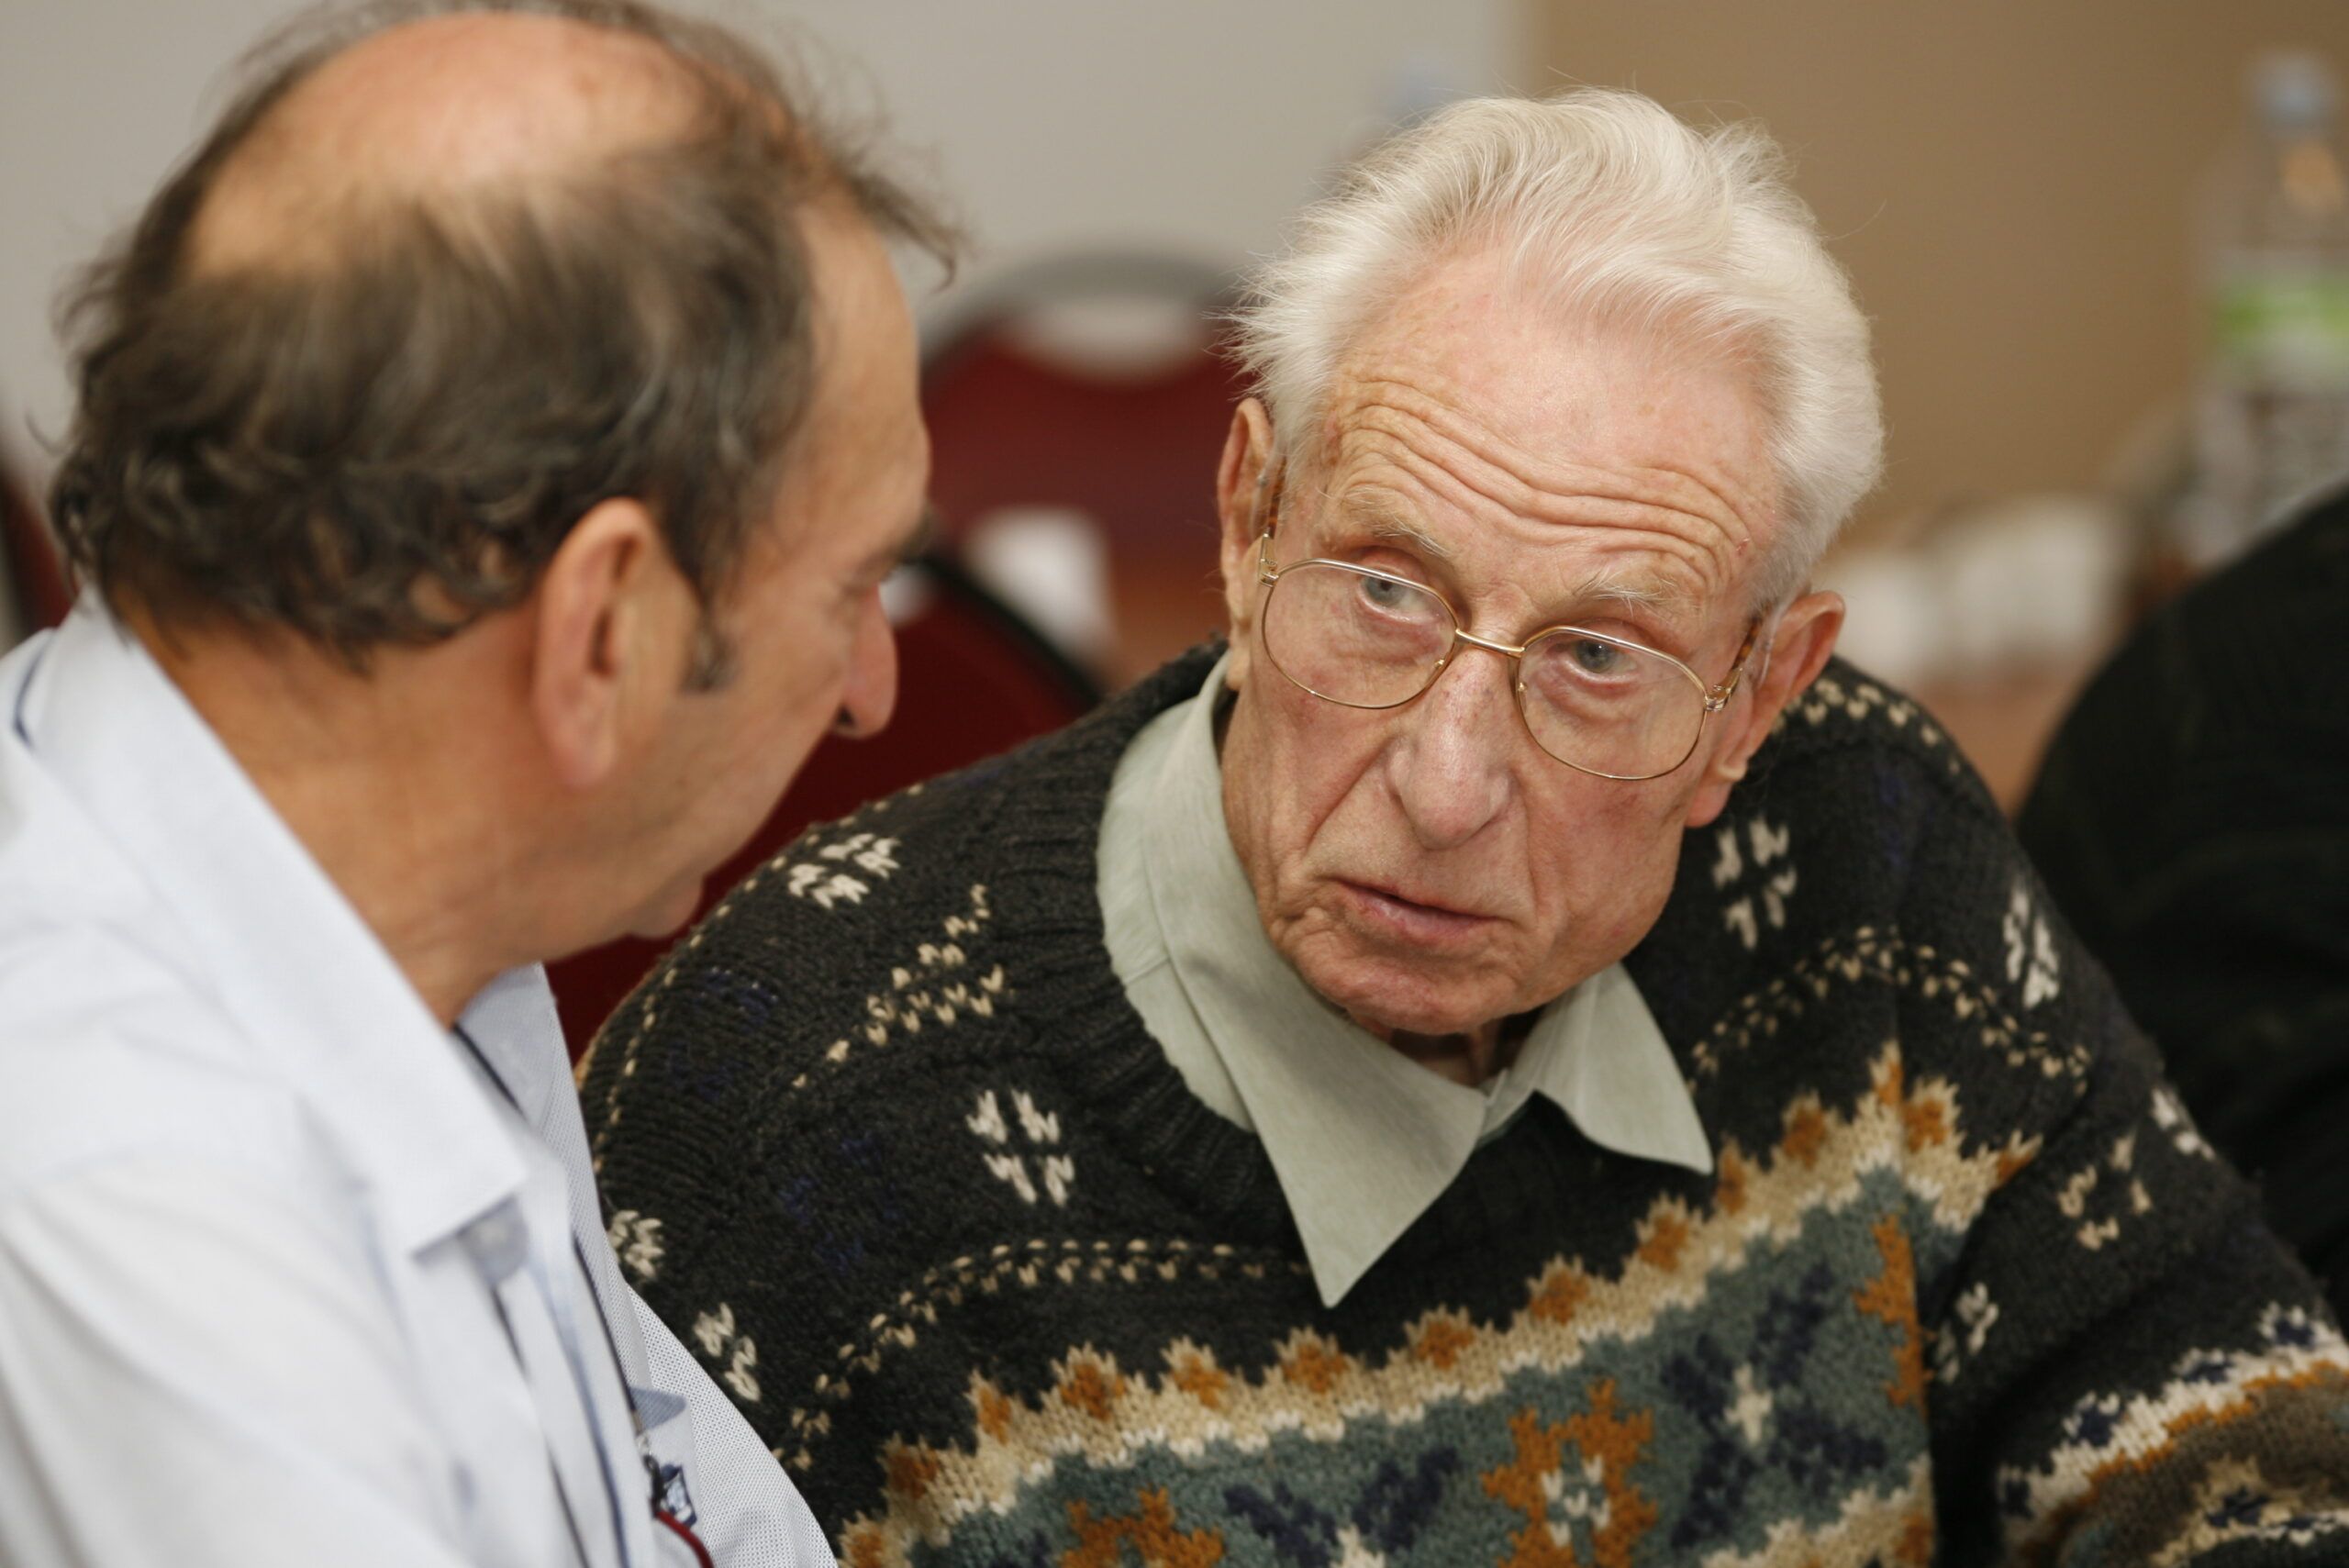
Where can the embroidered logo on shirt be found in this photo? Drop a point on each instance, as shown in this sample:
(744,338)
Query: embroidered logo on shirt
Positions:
(676,1497)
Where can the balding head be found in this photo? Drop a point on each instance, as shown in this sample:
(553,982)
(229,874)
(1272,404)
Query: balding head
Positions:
(434,111)
(439,281)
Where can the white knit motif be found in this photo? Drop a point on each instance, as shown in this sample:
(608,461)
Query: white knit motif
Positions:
(1043,1132)
(636,1239)
(735,1351)
(825,878)
(2169,1115)
(1961,1341)
(2030,948)
(1768,845)
(2124,1195)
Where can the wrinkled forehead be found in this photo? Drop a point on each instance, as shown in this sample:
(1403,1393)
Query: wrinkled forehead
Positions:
(1567,455)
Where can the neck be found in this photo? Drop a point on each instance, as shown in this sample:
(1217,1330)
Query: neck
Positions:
(1470,1058)
(372,774)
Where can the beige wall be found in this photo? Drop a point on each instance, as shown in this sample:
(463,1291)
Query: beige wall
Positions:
(1055,124)
(2009,181)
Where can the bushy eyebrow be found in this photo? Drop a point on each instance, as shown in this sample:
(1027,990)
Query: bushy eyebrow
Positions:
(1658,597)
(1651,594)
(1384,525)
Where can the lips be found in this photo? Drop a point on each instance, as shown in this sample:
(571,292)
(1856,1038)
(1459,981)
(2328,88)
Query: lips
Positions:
(1415,921)
(1419,900)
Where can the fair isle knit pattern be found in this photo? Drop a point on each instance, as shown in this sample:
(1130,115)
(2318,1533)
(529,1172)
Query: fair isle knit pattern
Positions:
(886,1142)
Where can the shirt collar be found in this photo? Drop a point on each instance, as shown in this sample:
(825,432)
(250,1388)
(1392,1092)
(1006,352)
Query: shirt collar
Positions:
(1363,1138)
(277,946)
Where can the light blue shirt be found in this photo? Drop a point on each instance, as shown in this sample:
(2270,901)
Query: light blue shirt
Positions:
(285,1276)
(1361,1137)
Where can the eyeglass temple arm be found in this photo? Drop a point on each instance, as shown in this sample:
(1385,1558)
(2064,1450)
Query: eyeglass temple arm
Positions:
(1268,517)
(1719,698)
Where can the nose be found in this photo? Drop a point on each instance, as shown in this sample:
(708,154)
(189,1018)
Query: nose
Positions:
(869,695)
(1450,765)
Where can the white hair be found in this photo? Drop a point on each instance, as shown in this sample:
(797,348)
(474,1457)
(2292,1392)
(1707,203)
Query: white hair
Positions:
(1605,203)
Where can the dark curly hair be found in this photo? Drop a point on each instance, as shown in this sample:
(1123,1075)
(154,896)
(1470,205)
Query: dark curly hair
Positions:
(385,448)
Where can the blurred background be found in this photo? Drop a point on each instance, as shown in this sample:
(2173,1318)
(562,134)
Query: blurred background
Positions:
(2104,244)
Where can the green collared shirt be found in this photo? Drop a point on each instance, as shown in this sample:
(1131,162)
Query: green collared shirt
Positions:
(1363,1138)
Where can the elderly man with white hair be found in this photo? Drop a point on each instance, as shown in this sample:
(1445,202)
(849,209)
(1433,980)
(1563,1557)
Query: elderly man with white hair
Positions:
(1514,1058)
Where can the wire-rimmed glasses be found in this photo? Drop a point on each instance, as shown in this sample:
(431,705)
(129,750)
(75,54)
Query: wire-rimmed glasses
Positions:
(1362,637)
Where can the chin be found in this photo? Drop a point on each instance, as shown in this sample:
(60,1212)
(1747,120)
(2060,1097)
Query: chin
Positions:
(668,915)
(1383,993)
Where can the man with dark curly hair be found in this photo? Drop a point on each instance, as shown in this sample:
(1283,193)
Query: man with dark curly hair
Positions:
(489,447)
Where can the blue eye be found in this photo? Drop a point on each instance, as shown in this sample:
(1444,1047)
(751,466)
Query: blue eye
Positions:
(1593,657)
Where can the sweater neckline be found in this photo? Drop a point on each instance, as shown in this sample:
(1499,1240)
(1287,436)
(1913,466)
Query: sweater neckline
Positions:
(1048,834)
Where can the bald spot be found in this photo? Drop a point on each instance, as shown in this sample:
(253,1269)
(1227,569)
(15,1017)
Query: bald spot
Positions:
(432,110)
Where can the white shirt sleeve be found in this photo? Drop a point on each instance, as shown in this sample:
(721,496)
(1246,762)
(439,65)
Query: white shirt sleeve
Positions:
(195,1369)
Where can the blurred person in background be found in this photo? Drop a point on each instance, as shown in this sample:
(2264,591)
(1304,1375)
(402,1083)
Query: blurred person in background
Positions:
(1514,1058)
(489,446)
(2192,821)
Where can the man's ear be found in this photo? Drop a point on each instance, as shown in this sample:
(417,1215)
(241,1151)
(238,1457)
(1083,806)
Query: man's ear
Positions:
(1798,649)
(1240,506)
(603,639)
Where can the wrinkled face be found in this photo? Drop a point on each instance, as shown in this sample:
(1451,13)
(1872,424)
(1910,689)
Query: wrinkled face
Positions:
(803,621)
(1429,868)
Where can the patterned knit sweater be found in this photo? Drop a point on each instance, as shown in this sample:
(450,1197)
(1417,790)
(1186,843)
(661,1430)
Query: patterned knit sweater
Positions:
(884,1140)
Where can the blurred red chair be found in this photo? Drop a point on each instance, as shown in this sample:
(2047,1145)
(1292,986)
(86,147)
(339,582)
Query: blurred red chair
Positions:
(1094,385)
(34,572)
(974,680)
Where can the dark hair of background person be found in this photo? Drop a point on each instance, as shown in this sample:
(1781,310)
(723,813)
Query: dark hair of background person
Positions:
(383,446)
(2191,822)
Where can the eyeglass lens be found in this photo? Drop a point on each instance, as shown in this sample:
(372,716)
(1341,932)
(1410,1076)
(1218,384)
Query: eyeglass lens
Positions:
(1595,704)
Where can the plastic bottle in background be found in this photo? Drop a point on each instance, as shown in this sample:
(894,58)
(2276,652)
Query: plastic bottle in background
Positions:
(2272,418)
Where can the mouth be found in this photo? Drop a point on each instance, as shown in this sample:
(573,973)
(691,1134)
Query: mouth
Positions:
(1410,920)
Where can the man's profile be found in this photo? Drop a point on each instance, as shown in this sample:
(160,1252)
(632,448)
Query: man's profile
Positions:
(488,448)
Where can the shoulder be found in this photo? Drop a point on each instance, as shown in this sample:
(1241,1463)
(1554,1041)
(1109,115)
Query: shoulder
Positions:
(1861,970)
(1847,733)
(114,1048)
(1858,815)
(1863,894)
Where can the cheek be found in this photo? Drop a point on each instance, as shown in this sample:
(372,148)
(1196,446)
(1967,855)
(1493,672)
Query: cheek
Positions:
(783,713)
(1317,785)
(1603,867)
(795,723)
